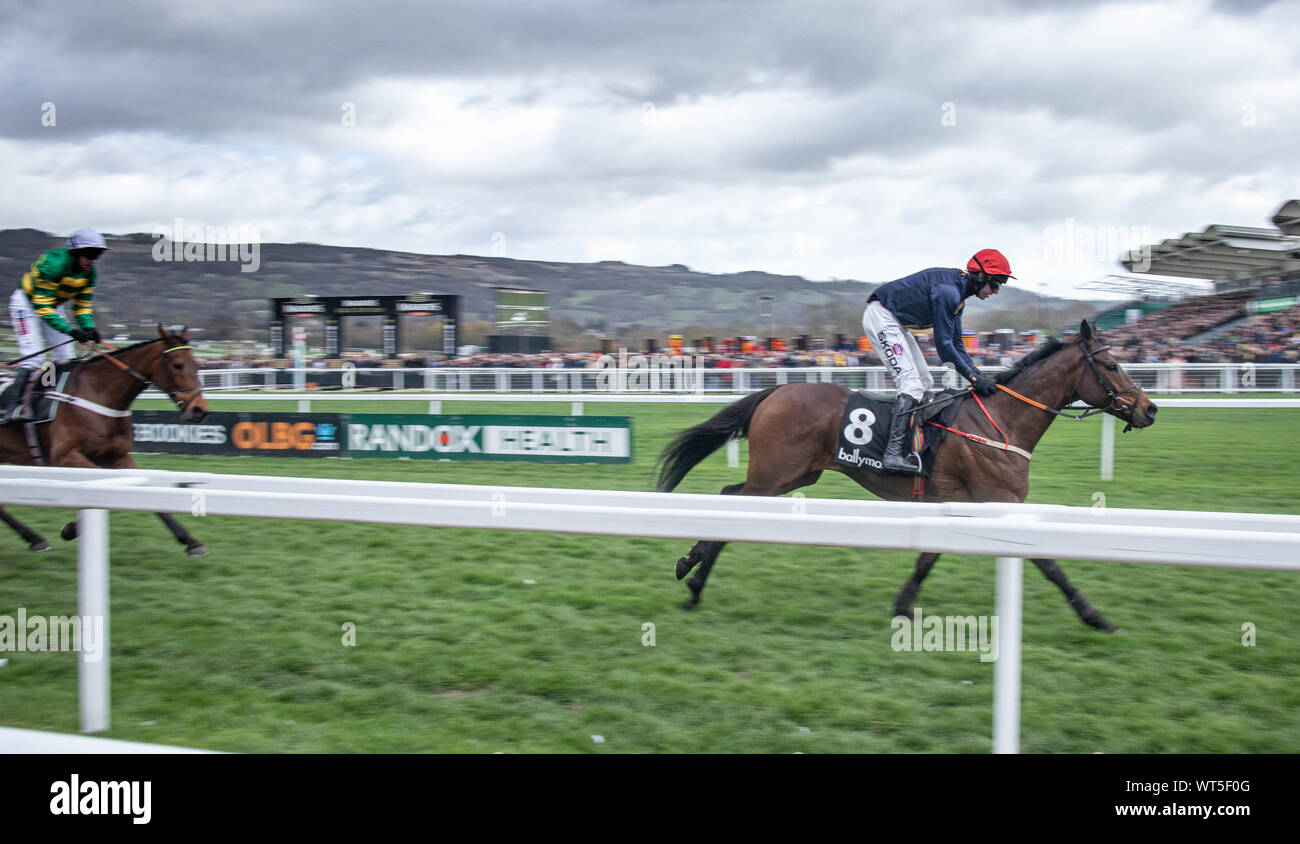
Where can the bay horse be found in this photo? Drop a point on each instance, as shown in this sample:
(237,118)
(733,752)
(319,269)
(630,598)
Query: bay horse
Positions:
(93,427)
(794,430)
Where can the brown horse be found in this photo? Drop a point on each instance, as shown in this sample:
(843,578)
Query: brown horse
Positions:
(793,433)
(94,428)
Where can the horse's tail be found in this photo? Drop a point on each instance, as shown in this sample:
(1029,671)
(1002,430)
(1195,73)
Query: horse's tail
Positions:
(694,444)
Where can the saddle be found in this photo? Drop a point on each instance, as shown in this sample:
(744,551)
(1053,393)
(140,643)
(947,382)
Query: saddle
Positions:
(23,399)
(864,428)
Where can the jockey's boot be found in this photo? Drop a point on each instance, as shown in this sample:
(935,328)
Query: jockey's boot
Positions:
(11,399)
(895,460)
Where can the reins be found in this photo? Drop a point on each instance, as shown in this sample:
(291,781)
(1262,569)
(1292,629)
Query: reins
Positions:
(41,352)
(1006,445)
(177,396)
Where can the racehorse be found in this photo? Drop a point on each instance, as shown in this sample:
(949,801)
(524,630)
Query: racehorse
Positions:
(93,428)
(793,433)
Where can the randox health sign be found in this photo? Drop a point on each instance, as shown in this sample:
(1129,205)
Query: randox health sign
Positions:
(560,439)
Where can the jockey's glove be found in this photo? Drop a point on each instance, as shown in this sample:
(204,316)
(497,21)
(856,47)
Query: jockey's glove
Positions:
(82,335)
(984,385)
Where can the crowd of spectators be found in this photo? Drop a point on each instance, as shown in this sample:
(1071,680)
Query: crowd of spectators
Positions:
(1156,338)
(1163,337)
(992,356)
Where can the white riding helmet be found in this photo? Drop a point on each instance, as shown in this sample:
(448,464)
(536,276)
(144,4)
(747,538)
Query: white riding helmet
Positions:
(87,239)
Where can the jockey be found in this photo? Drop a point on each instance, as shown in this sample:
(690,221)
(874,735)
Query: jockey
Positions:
(58,276)
(933,297)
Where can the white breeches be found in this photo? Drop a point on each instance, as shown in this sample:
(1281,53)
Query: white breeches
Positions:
(898,350)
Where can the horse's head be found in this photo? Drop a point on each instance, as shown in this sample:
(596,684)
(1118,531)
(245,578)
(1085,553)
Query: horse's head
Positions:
(1103,384)
(176,373)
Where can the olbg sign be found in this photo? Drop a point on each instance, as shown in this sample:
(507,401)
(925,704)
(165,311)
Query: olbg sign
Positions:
(272,434)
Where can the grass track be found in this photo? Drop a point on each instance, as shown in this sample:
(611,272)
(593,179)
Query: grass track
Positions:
(456,653)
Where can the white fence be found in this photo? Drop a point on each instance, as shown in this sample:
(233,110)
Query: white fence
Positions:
(1152,377)
(1009,532)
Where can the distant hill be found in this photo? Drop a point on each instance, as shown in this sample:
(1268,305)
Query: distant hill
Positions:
(606,296)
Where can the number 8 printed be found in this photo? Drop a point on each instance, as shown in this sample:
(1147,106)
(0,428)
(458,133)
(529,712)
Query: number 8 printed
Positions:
(858,431)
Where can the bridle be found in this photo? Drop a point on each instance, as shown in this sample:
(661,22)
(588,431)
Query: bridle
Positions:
(1115,408)
(177,396)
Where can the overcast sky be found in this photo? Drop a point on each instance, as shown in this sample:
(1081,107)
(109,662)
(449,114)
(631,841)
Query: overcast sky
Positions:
(820,138)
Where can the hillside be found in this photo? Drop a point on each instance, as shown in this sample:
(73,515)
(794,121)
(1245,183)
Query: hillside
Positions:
(608,296)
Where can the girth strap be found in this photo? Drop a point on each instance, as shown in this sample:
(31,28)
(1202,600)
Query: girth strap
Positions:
(87,404)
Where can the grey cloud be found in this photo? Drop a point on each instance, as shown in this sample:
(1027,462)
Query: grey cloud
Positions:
(1242,7)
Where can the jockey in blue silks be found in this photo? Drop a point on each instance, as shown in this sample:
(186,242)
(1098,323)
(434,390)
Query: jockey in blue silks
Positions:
(931,298)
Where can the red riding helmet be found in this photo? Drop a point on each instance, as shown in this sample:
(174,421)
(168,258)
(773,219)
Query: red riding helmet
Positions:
(990,262)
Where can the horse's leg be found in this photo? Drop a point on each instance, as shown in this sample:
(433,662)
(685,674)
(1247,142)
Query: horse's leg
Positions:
(946,485)
(1085,610)
(708,551)
(33,539)
(192,546)
(74,459)
(704,548)
(907,596)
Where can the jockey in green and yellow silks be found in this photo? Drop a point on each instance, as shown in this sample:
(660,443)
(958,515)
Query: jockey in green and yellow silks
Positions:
(57,278)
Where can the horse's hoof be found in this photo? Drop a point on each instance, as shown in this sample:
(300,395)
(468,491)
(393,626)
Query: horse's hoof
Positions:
(688,605)
(69,531)
(684,566)
(40,545)
(197,551)
(1102,624)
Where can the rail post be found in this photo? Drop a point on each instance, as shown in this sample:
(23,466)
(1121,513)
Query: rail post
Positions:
(1006,671)
(92,603)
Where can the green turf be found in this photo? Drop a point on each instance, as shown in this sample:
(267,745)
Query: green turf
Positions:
(790,650)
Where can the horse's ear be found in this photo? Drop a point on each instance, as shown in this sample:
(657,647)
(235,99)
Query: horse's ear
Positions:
(161,332)
(185,333)
(1085,330)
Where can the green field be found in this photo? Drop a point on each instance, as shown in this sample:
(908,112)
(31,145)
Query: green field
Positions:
(789,651)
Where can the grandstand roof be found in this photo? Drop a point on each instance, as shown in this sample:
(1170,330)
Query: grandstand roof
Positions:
(1227,254)
(1287,217)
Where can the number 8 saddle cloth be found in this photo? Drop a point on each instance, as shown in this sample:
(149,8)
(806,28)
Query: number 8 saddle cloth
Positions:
(864,428)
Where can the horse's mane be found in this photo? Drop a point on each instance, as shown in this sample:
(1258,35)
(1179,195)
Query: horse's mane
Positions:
(136,345)
(1051,347)
(114,353)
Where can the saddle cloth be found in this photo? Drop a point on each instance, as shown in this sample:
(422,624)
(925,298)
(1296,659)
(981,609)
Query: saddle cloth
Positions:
(864,429)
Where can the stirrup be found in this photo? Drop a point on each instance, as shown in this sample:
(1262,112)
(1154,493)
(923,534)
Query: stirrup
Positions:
(908,468)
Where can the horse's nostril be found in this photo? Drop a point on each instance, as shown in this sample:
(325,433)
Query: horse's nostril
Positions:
(1151,410)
